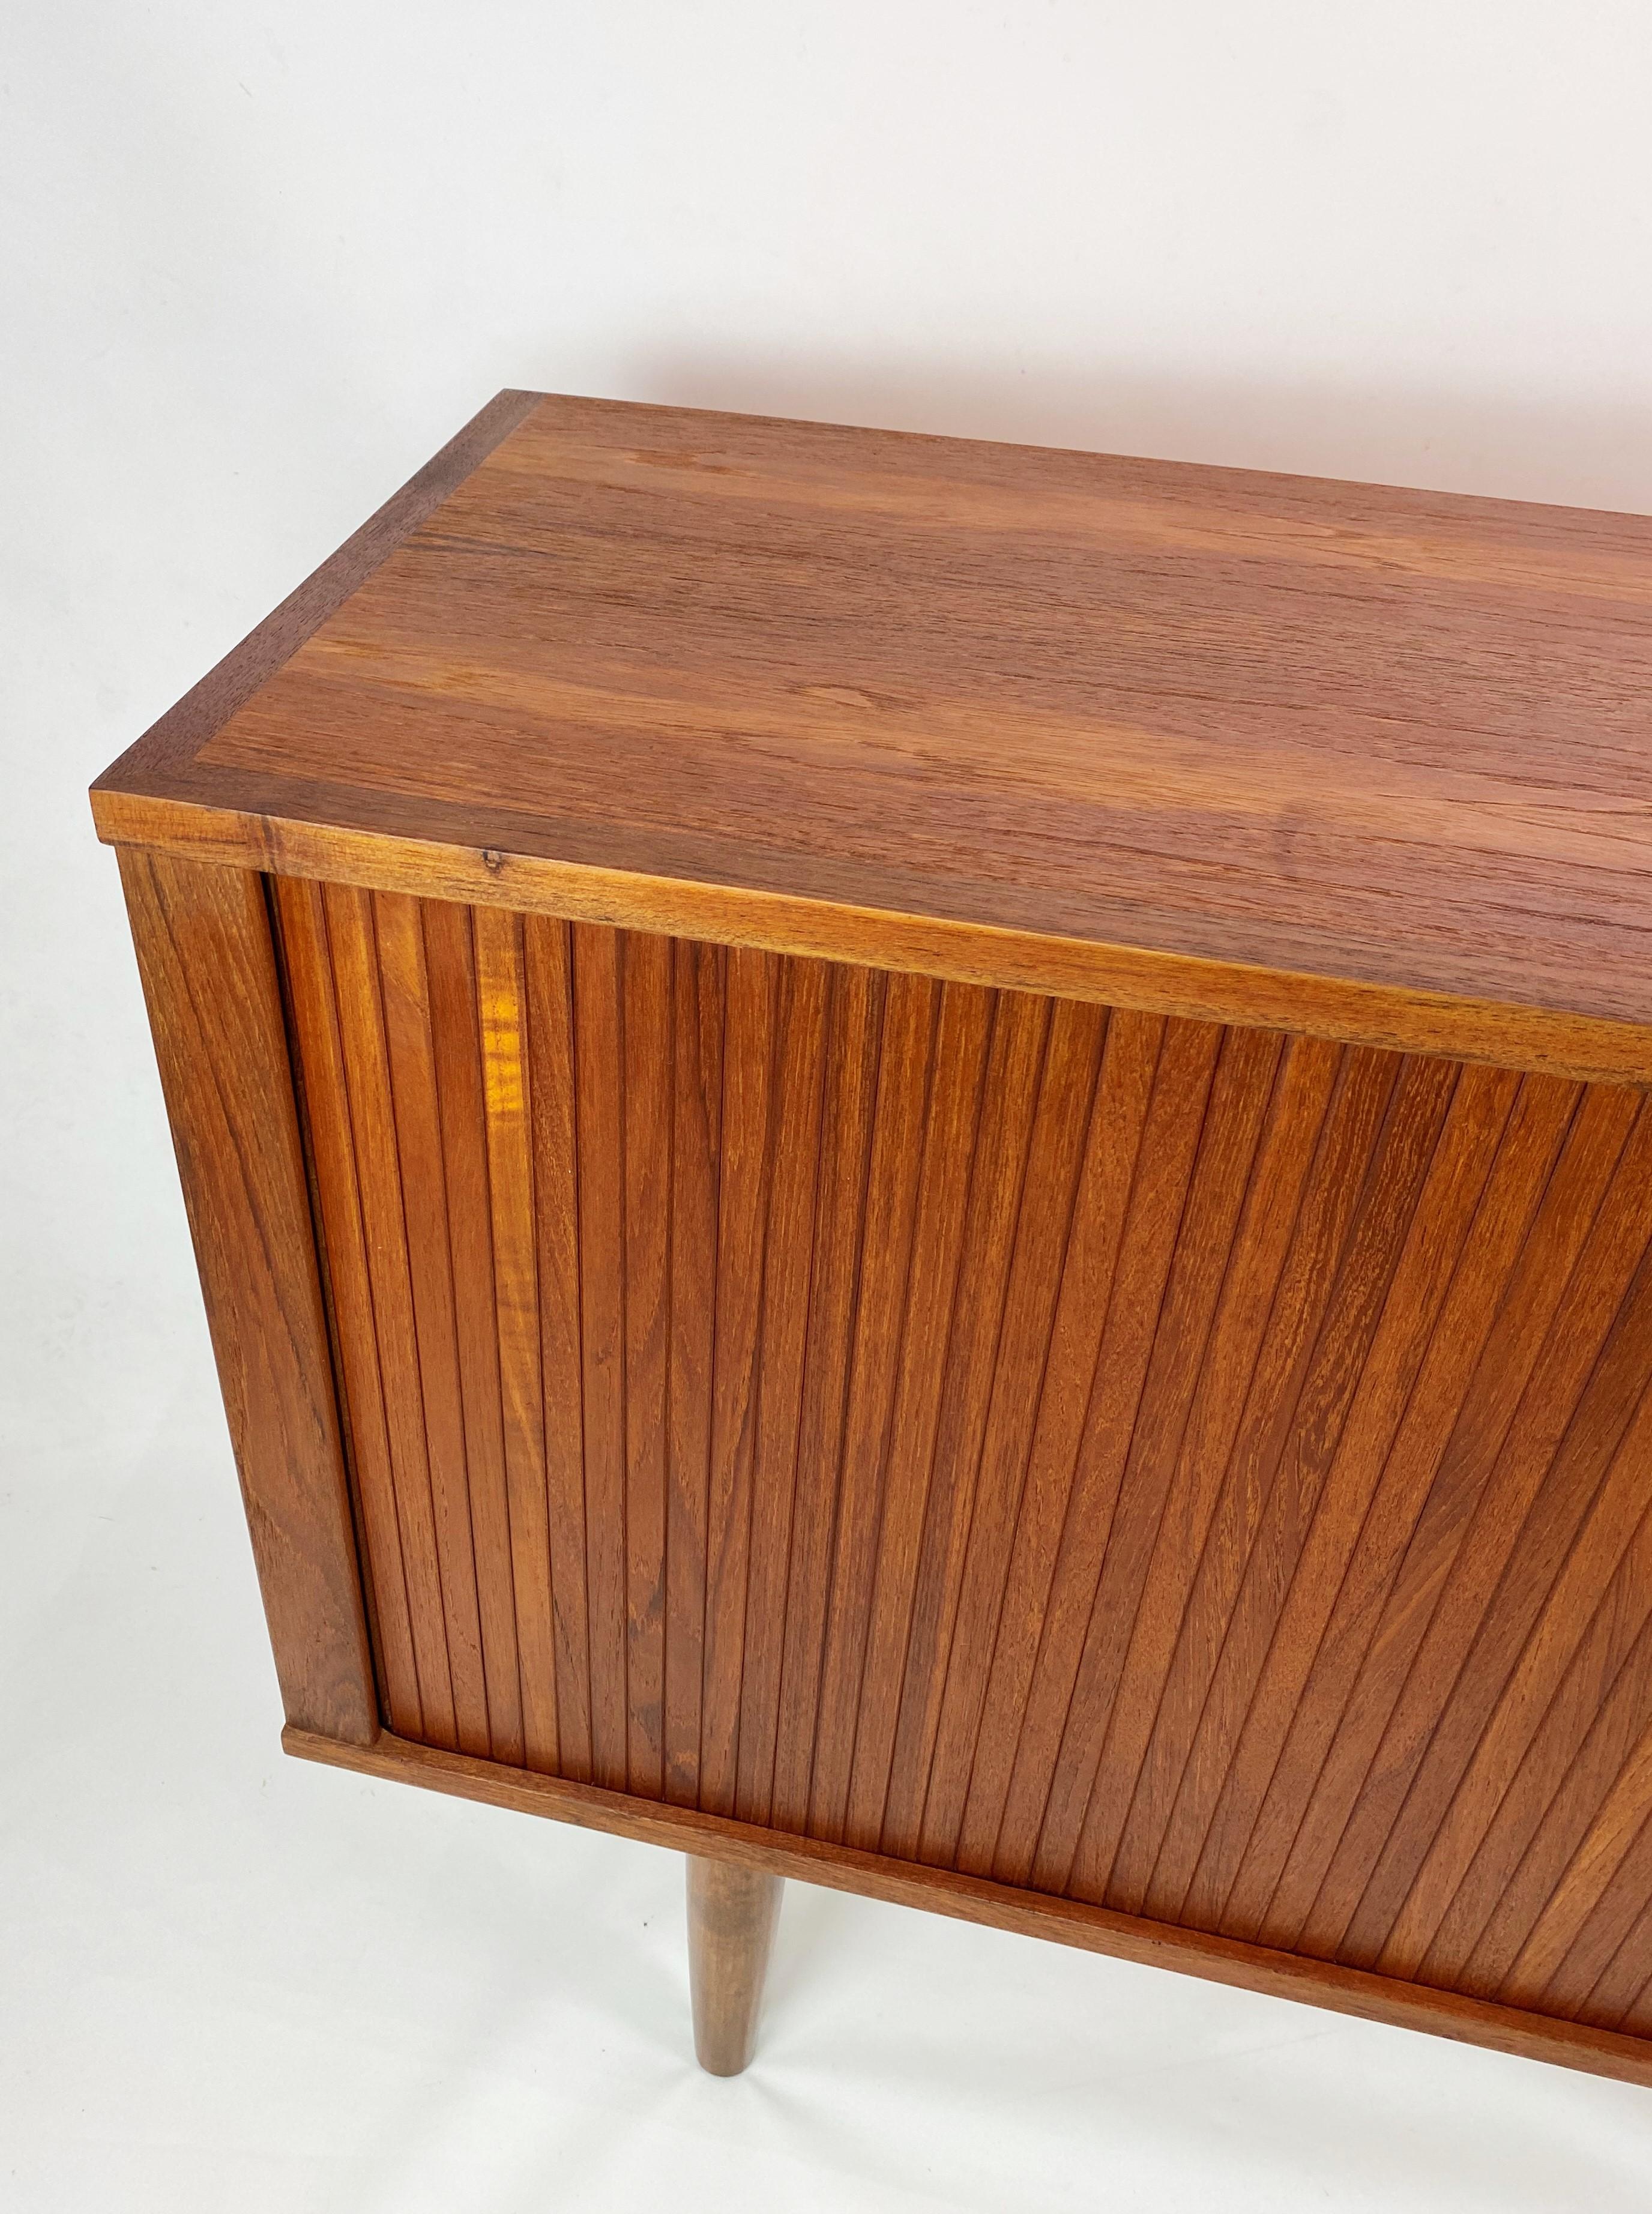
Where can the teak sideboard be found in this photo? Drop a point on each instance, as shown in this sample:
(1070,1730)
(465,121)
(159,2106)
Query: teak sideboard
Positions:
(926,1165)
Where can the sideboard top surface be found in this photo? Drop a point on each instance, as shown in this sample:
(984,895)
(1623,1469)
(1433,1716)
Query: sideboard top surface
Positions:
(875,694)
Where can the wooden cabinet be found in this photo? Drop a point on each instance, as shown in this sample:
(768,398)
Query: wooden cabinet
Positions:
(925,1164)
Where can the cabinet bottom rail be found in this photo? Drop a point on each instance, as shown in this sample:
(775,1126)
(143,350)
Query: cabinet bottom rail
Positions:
(713,1838)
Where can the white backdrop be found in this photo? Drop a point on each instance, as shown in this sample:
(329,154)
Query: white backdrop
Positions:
(255,263)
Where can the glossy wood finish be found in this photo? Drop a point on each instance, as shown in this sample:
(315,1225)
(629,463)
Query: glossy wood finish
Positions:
(1336,758)
(927,1166)
(732,1911)
(204,951)
(1197,1472)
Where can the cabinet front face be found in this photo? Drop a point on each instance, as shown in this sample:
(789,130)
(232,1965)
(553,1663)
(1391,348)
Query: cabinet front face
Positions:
(1198,1471)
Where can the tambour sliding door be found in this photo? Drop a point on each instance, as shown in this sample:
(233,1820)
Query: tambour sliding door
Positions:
(1152,1463)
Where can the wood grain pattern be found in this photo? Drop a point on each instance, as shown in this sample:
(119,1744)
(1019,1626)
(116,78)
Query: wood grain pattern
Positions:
(205,956)
(1335,758)
(732,1911)
(930,1164)
(1195,1472)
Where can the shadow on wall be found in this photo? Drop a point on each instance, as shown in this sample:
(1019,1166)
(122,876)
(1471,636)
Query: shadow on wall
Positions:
(1580,451)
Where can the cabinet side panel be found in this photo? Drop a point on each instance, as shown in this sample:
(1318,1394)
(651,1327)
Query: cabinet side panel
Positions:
(204,952)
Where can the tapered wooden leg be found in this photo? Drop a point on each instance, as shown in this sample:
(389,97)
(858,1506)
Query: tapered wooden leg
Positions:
(731,1916)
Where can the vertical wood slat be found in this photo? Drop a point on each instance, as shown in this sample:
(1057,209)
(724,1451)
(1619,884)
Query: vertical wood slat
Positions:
(599,1107)
(1195,1470)
(513,1197)
(788,1273)
(737,1291)
(207,962)
(696,1153)
(554,1130)
(647,1028)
